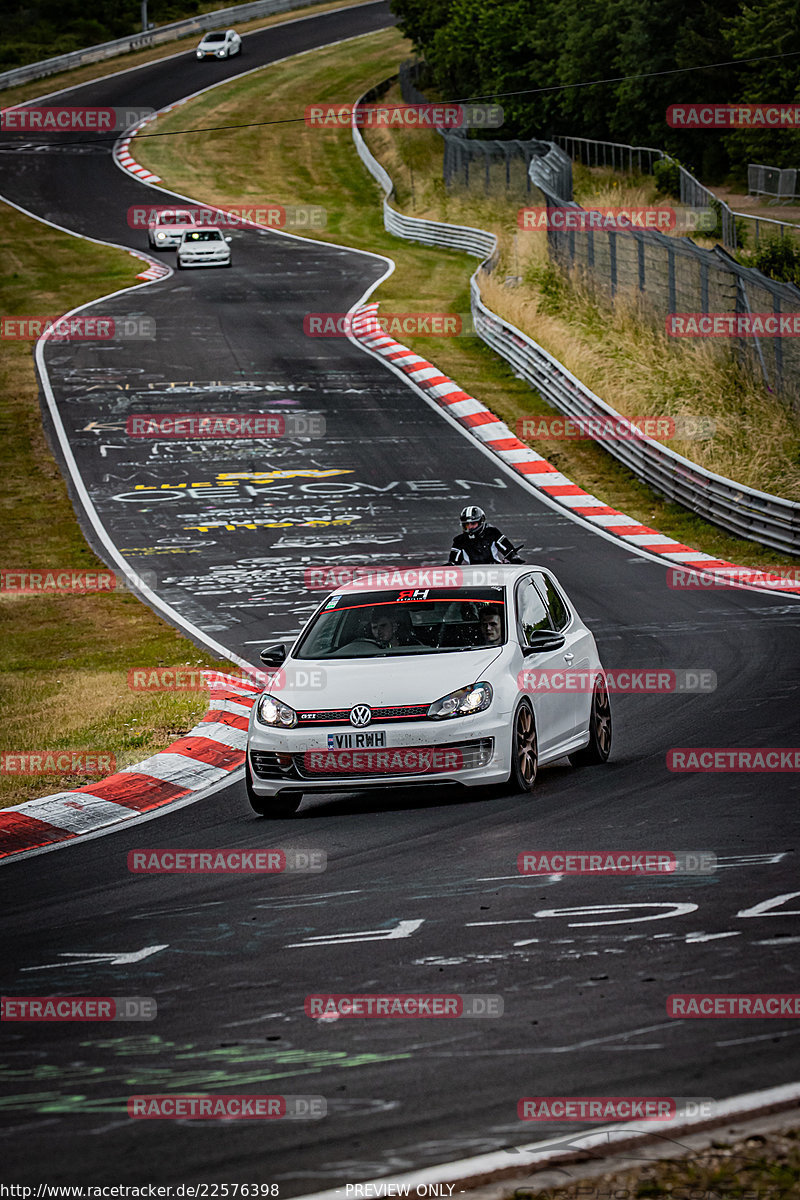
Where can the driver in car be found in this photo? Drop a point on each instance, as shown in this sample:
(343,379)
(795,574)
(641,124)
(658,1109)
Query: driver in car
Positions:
(387,632)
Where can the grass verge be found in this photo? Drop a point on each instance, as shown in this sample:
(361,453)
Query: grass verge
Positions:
(63,683)
(759,1167)
(320,166)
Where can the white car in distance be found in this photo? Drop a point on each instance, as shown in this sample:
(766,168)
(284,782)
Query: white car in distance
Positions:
(398,686)
(165,228)
(204,247)
(218,43)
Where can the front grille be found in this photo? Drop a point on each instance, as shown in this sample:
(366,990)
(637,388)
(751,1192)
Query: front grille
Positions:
(341,716)
(471,755)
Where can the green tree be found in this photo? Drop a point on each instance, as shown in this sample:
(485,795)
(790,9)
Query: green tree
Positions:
(770,28)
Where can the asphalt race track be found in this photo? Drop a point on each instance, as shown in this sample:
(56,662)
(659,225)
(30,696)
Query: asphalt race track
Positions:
(229,959)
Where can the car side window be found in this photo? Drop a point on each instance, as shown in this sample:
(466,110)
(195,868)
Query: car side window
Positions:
(559,613)
(531,611)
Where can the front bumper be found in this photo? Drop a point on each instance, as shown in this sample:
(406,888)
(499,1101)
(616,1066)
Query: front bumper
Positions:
(219,259)
(472,751)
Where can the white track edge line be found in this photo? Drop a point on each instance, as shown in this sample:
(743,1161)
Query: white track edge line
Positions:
(461,1170)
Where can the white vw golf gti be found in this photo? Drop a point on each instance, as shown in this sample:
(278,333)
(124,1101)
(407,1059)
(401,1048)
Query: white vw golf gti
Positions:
(446,675)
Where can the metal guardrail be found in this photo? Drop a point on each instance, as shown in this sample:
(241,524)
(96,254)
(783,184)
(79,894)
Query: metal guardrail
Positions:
(431,233)
(153,37)
(760,516)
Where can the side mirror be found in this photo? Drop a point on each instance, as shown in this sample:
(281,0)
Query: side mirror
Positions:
(542,640)
(228,239)
(273,656)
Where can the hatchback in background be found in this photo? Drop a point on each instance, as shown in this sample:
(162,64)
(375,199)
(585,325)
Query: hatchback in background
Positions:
(222,43)
(201,247)
(165,228)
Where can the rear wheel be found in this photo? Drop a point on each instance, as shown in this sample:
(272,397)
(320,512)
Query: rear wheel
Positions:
(599,746)
(270,806)
(524,750)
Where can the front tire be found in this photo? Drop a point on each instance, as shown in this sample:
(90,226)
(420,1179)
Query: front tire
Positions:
(270,806)
(524,751)
(600,729)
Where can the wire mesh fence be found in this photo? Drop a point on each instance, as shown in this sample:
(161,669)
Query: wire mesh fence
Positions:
(673,277)
(666,276)
(491,165)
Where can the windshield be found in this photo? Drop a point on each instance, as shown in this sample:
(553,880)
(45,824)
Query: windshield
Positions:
(411,621)
(214,37)
(174,218)
(203,235)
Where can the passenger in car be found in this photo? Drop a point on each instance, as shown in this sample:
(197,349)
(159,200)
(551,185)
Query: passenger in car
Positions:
(490,620)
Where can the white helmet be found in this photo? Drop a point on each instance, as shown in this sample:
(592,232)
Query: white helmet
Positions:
(473,520)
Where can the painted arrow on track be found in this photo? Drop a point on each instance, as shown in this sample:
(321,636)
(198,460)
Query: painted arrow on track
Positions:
(113,958)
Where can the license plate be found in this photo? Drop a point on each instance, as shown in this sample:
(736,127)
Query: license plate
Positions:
(356,741)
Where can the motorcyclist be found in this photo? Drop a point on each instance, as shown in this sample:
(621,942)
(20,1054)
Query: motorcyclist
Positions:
(481,543)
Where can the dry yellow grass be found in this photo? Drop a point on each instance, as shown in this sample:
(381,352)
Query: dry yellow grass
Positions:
(628,362)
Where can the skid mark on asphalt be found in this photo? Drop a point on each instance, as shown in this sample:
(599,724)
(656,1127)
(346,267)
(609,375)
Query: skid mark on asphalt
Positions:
(236,1067)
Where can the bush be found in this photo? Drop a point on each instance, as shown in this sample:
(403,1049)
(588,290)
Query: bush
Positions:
(779,258)
(667,176)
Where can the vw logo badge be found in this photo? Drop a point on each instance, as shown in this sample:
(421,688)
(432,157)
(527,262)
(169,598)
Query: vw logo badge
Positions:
(360,715)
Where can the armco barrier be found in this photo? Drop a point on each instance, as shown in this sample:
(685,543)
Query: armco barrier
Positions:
(762,517)
(153,37)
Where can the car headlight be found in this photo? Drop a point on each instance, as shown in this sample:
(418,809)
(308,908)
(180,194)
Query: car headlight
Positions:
(467,700)
(199,53)
(161,236)
(273,712)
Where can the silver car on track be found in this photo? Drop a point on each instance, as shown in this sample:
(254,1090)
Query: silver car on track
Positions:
(204,247)
(461,675)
